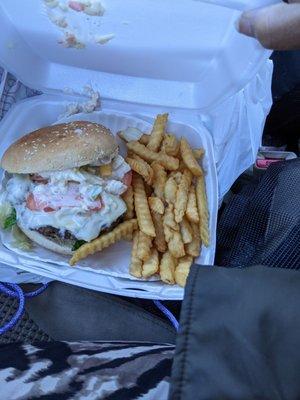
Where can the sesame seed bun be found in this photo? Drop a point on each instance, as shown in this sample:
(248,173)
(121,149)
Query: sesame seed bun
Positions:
(60,147)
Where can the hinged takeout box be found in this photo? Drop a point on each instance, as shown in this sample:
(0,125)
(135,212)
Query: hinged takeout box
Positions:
(181,57)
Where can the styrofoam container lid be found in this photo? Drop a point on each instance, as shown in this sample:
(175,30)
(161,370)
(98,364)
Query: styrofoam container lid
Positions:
(177,53)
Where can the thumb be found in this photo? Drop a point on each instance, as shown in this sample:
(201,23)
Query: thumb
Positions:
(276,27)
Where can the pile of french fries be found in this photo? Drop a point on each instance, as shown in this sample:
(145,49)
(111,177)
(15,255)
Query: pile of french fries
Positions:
(167,215)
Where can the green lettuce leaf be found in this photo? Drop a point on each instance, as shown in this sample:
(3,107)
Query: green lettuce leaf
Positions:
(5,212)
(78,244)
(10,220)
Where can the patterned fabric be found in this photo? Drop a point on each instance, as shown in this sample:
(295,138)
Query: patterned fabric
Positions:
(85,370)
(11,91)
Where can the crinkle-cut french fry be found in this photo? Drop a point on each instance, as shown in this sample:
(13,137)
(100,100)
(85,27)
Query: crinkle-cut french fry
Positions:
(191,208)
(182,270)
(186,231)
(198,153)
(182,195)
(159,240)
(182,166)
(141,206)
(189,159)
(194,248)
(158,132)
(148,189)
(176,246)
(168,232)
(105,170)
(176,175)
(144,248)
(129,237)
(170,163)
(159,179)
(156,205)
(128,198)
(167,268)
(169,218)
(107,239)
(144,139)
(202,210)
(136,264)
(170,145)
(170,191)
(151,266)
(142,168)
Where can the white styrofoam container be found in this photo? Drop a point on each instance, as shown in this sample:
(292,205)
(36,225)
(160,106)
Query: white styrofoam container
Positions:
(106,271)
(136,76)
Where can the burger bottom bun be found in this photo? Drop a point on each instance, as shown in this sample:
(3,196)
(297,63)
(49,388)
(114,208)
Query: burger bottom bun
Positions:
(47,243)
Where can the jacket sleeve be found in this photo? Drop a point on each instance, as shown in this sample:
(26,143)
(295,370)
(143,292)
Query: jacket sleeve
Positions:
(239,335)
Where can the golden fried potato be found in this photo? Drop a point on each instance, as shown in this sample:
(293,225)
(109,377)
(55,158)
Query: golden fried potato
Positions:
(188,158)
(170,163)
(186,231)
(202,210)
(136,264)
(191,208)
(128,198)
(170,191)
(167,268)
(105,170)
(182,270)
(141,206)
(169,218)
(170,145)
(151,266)
(145,245)
(168,232)
(158,132)
(194,247)
(176,175)
(159,179)
(105,240)
(148,189)
(176,245)
(159,240)
(182,195)
(156,205)
(144,139)
(198,153)
(142,168)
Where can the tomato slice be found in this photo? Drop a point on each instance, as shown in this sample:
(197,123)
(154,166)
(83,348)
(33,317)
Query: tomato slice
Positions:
(33,205)
(70,199)
(127,179)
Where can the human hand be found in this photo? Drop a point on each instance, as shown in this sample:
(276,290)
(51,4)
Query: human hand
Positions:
(276,27)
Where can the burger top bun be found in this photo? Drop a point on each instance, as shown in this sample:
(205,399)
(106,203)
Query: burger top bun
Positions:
(60,147)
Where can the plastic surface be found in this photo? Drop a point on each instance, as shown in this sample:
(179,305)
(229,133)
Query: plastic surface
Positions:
(108,273)
(213,61)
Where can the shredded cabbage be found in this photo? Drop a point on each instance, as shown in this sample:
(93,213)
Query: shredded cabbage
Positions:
(21,241)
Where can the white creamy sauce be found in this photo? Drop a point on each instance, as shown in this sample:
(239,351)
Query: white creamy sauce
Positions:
(83,223)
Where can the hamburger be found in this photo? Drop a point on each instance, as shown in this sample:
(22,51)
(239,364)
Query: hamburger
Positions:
(57,188)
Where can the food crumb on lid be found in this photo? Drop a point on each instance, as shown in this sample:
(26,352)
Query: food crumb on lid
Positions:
(102,39)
